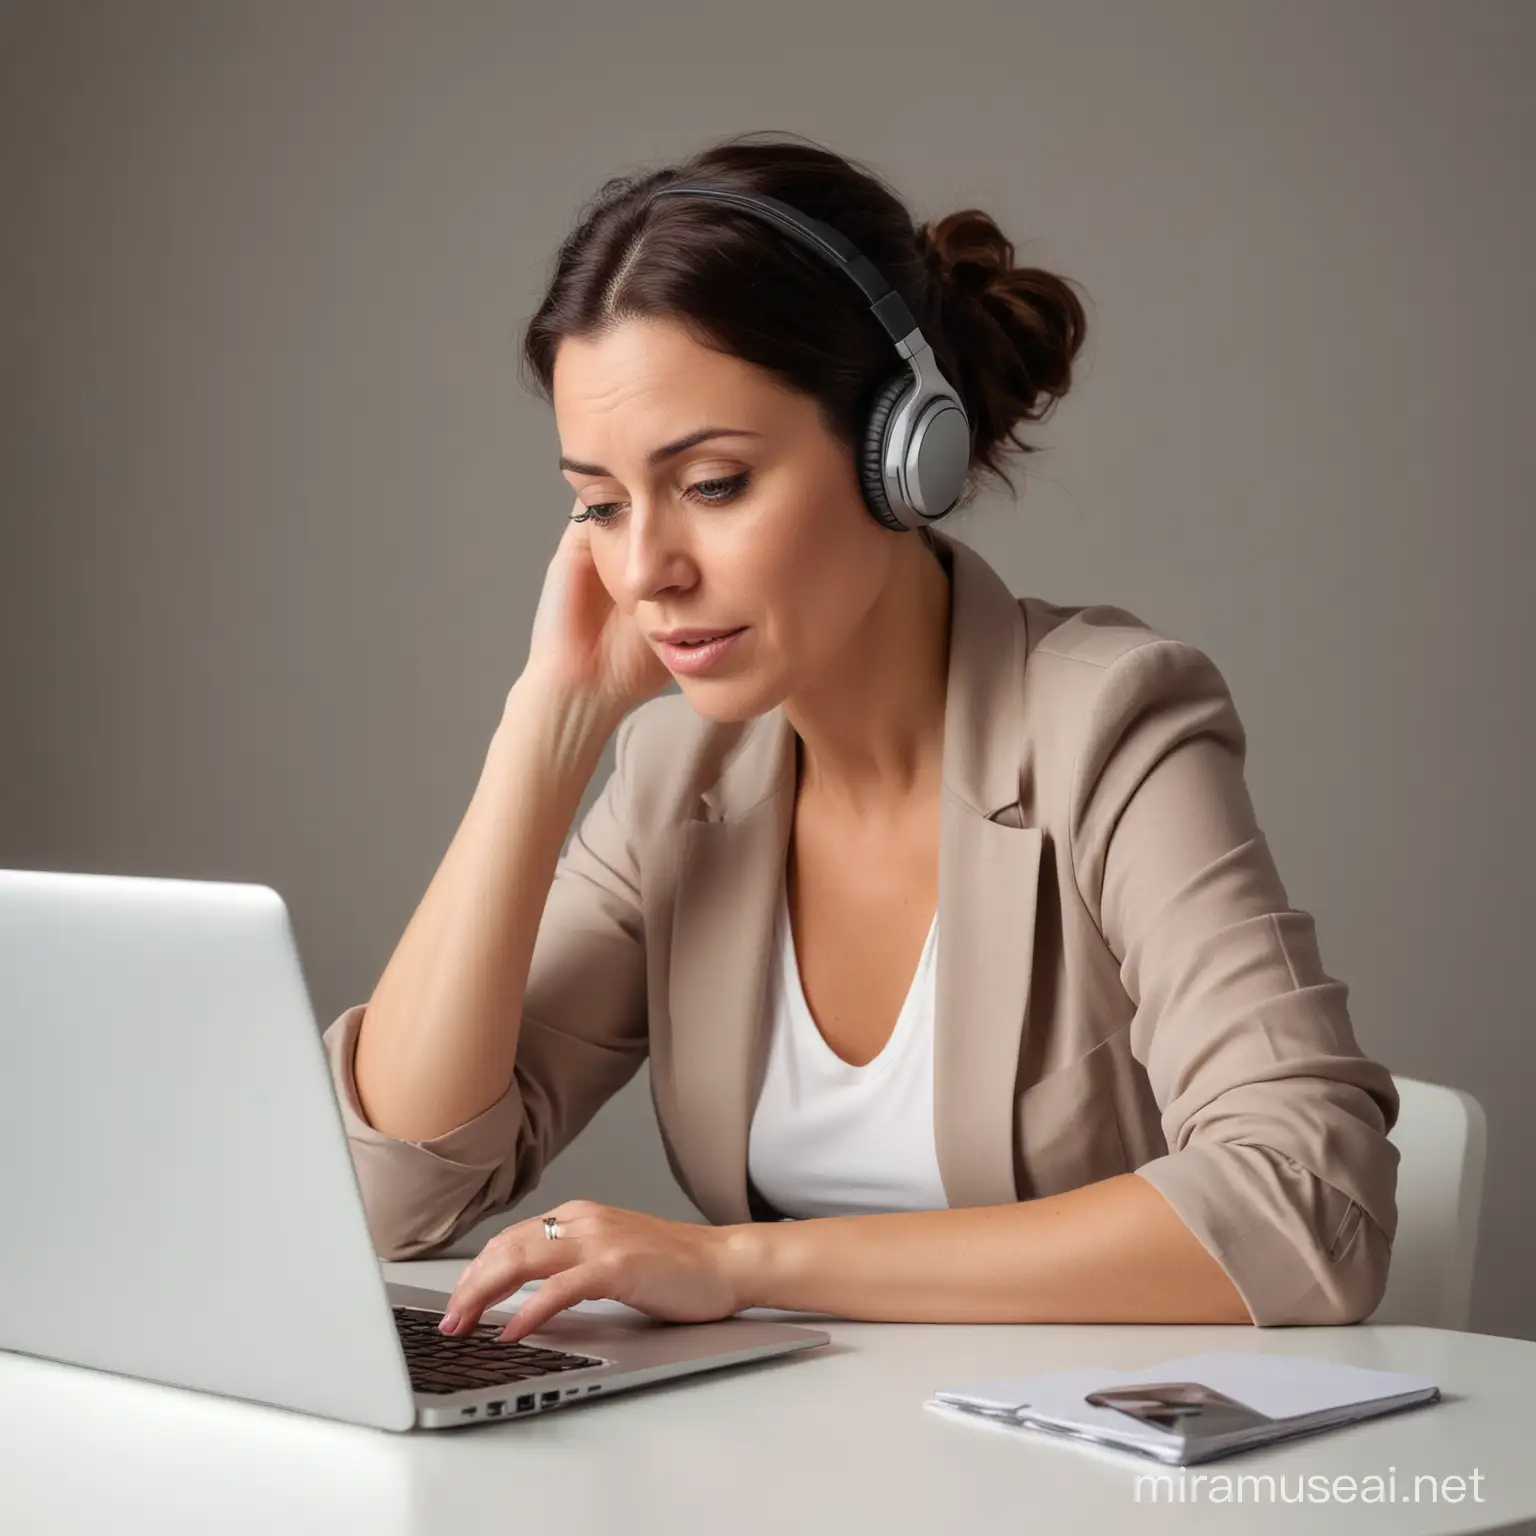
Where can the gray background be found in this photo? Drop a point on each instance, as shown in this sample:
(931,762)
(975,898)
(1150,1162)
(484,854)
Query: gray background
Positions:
(276,510)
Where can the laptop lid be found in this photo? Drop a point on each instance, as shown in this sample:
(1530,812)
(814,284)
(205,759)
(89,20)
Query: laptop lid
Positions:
(170,1142)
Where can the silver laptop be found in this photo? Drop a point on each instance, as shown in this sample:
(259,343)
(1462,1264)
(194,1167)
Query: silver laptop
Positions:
(177,1200)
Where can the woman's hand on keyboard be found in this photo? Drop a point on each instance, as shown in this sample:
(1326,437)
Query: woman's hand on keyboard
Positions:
(675,1270)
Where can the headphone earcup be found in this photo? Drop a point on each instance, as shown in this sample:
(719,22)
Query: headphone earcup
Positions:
(872,454)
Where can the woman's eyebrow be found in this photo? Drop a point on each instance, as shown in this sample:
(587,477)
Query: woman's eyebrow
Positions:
(666,451)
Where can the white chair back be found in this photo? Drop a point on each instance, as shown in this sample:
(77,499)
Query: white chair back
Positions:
(1442,1138)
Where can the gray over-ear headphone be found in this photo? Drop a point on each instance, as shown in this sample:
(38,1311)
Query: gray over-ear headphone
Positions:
(917,441)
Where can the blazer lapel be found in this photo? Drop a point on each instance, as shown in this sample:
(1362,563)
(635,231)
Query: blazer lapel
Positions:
(730,871)
(730,868)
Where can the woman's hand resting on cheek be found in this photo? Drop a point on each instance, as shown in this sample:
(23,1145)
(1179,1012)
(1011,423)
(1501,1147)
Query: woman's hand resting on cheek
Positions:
(582,641)
(673,1270)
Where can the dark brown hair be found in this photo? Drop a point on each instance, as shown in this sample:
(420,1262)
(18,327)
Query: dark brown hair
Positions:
(1005,336)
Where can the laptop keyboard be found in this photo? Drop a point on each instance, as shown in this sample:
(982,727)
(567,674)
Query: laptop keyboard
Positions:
(441,1362)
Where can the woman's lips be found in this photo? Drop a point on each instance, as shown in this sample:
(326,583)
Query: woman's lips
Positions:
(691,659)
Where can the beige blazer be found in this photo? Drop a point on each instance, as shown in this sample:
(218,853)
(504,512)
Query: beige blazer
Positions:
(1122,982)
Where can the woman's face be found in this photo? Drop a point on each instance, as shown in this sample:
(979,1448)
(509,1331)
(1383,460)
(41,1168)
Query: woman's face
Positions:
(764,528)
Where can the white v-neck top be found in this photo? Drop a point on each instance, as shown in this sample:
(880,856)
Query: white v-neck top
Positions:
(831,1139)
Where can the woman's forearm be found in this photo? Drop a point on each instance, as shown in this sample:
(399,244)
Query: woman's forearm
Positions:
(440,1034)
(1110,1252)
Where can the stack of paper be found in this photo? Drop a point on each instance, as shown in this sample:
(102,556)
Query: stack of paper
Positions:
(1194,1408)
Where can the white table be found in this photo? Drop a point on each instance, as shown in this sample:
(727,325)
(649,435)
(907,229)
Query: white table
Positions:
(835,1439)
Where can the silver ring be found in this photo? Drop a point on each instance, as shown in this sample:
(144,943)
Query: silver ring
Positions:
(551,1227)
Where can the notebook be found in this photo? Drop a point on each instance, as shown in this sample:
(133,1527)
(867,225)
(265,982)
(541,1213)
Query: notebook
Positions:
(1194,1408)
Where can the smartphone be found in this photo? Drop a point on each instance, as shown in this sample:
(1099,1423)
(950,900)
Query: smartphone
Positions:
(1187,1408)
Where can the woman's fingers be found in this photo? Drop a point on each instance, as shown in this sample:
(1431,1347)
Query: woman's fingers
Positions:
(507,1262)
(583,1283)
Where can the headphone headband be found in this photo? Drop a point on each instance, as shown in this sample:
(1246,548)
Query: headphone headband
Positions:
(885,304)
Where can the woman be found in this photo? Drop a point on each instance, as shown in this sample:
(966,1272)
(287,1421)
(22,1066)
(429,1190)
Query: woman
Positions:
(941,914)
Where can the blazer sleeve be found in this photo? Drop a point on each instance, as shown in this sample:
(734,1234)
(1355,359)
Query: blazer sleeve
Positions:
(584,1034)
(1276,1123)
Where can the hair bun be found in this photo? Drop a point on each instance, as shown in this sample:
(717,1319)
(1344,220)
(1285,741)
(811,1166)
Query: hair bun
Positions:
(966,251)
(1011,332)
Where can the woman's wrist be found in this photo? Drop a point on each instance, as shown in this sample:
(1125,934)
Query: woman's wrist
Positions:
(566,729)
(745,1256)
